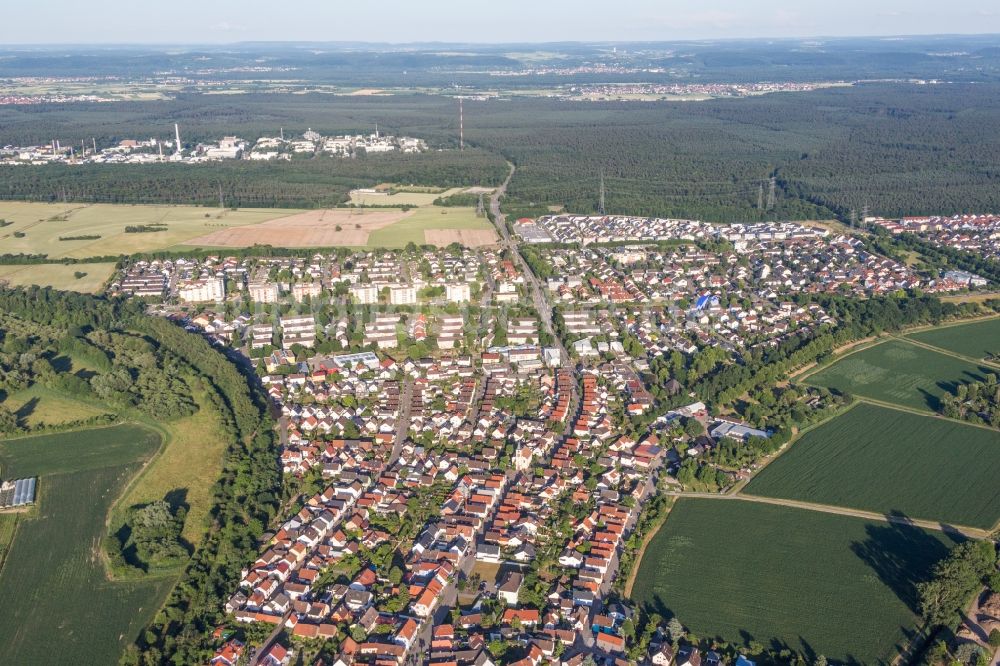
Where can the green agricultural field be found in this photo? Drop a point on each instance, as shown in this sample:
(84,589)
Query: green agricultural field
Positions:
(976,340)
(898,372)
(886,460)
(8,524)
(38,405)
(782,576)
(74,451)
(400,197)
(42,224)
(412,228)
(59,276)
(66,606)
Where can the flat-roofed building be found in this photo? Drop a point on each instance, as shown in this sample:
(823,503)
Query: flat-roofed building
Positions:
(364,294)
(402,295)
(200,291)
(263,292)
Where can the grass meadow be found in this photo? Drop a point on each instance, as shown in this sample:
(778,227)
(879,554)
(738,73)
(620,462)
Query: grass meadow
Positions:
(66,609)
(898,372)
(185,469)
(58,276)
(975,340)
(815,582)
(42,224)
(37,405)
(400,198)
(412,228)
(886,460)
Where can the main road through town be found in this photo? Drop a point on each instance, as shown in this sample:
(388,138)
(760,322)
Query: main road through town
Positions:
(537,295)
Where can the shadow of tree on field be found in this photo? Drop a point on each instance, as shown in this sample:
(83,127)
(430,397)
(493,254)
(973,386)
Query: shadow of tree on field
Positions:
(901,555)
(26,410)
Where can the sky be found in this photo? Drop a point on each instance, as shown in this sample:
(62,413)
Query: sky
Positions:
(400,21)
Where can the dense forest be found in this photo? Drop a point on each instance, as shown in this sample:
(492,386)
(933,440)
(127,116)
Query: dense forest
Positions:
(306,183)
(246,496)
(893,148)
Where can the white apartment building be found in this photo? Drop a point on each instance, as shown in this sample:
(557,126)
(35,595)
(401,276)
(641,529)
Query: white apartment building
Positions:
(198,291)
(364,294)
(300,330)
(263,292)
(402,295)
(261,335)
(302,289)
(458,293)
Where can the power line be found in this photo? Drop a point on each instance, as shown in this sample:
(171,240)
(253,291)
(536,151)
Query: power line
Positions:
(770,193)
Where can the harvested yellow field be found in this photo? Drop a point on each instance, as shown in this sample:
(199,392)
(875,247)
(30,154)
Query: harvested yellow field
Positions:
(466,237)
(315,228)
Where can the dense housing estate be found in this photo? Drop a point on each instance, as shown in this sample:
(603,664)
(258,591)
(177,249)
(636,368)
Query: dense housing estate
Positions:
(473,478)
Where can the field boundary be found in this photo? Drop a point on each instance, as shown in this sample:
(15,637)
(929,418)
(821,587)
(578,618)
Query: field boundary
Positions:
(948,352)
(18,518)
(642,548)
(874,516)
(738,487)
(113,507)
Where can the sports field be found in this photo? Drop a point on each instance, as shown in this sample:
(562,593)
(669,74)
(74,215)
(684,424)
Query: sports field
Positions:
(886,460)
(59,276)
(898,372)
(42,224)
(746,572)
(66,610)
(976,340)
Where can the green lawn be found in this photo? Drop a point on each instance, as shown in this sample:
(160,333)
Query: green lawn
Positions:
(884,460)
(975,340)
(815,582)
(59,606)
(898,372)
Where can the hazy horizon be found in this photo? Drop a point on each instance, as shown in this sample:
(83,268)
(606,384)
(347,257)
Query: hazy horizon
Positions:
(227,22)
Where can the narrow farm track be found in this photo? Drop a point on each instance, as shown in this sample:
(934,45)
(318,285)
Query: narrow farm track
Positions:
(946,352)
(968,532)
